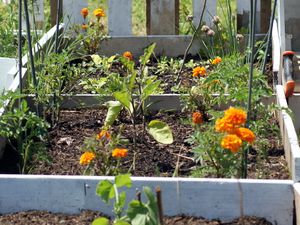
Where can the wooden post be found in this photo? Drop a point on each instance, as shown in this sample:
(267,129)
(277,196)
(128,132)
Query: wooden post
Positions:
(162,17)
(265,15)
(53,10)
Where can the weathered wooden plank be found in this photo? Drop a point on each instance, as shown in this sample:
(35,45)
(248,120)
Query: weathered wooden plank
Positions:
(53,11)
(210,11)
(243,12)
(71,12)
(119,17)
(162,17)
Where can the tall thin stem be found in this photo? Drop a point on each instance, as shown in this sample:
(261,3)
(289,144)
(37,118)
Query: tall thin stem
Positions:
(192,40)
(57,25)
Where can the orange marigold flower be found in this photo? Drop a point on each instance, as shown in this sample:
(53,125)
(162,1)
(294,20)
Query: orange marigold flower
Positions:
(103,133)
(216,61)
(197,118)
(245,134)
(231,142)
(199,71)
(223,125)
(84,12)
(119,152)
(84,26)
(235,116)
(86,158)
(99,13)
(128,55)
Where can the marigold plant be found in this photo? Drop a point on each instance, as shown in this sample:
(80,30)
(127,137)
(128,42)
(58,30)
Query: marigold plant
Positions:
(231,142)
(119,153)
(99,13)
(86,158)
(224,125)
(199,71)
(84,12)
(197,118)
(84,26)
(236,116)
(128,55)
(245,134)
(103,134)
(216,60)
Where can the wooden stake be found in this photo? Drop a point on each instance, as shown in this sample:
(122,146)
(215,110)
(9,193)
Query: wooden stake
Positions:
(159,205)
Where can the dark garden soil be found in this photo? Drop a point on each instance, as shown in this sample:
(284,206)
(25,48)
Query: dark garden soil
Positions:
(151,158)
(86,218)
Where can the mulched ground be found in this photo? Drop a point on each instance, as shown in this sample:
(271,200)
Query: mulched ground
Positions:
(86,218)
(152,159)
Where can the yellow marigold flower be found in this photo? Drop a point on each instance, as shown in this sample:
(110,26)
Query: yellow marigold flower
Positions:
(128,55)
(235,116)
(102,134)
(216,61)
(197,118)
(245,134)
(199,71)
(231,142)
(99,13)
(84,12)
(119,153)
(86,158)
(84,26)
(223,125)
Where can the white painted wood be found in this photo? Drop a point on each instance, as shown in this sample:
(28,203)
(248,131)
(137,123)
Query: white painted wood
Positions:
(281,23)
(297,202)
(211,198)
(119,17)
(276,51)
(288,134)
(5,77)
(211,10)
(71,12)
(162,17)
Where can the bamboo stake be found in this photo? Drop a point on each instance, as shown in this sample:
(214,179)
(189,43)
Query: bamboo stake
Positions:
(159,205)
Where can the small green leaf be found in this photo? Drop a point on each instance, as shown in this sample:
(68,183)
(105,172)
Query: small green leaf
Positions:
(147,54)
(160,131)
(105,190)
(121,222)
(124,98)
(137,212)
(96,59)
(150,89)
(114,109)
(101,221)
(123,180)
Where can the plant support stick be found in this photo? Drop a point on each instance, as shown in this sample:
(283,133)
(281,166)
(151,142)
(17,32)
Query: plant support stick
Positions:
(31,54)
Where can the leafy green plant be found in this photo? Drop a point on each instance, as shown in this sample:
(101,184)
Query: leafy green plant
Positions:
(102,156)
(26,132)
(137,86)
(137,213)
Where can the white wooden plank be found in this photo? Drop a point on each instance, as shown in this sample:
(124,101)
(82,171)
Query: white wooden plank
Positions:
(211,198)
(211,10)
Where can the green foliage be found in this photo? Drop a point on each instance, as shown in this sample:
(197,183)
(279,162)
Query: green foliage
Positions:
(160,131)
(136,88)
(25,131)
(137,213)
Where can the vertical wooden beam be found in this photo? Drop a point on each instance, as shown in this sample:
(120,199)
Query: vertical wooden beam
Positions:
(162,17)
(210,11)
(119,17)
(265,15)
(53,10)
